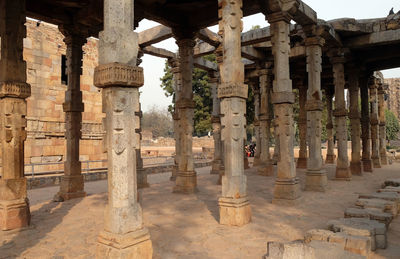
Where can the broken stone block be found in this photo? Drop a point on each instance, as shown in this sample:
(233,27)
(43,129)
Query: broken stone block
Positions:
(384,205)
(389,196)
(317,234)
(374,214)
(359,245)
(395,182)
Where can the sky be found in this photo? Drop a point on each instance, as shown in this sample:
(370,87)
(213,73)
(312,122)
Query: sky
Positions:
(152,94)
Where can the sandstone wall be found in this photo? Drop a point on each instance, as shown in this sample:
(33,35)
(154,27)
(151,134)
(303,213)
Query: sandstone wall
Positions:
(393,95)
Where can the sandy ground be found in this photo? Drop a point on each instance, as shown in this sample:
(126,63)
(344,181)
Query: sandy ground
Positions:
(186,226)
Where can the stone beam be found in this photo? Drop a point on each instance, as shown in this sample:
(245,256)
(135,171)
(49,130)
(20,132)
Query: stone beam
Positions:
(154,35)
(305,14)
(210,37)
(202,49)
(158,52)
(256,36)
(252,53)
(205,64)
(375,38)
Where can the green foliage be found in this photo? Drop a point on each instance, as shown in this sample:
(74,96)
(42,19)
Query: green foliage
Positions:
(392,126)
(158,122)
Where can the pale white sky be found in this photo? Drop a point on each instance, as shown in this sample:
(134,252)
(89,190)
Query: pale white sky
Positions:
(152,94)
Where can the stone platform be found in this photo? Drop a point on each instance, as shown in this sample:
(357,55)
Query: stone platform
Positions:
(186,226)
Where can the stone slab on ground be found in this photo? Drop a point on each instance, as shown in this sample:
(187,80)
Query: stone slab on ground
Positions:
(389,196)
(395,182)
(374,214)
(390,189)
(386,206)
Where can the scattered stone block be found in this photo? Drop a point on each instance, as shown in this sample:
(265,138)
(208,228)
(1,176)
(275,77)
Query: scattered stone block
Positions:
(389,196)
(374,214)
(318,235)
(395,182)
(384,205)
(358,244)
(390,189)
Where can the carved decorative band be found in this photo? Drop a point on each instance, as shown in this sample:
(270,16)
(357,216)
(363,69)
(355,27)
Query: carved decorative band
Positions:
(185,103)
(282,97)
(340,113)
(15,89)
(116,74)
(314,105)
(226,90)
(279,16)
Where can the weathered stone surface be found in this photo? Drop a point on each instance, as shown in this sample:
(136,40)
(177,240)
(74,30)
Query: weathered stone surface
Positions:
(385,205)
(390,189)
(390,196)
(365,125)
(373,90)
(373,214)
(392,182)
(302,160)
(234,212)
(330,155)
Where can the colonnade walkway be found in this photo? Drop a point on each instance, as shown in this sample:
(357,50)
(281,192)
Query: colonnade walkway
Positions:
(186,226)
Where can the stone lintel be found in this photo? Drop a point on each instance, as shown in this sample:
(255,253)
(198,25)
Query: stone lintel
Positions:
(279,16)
(227,90)
(118,75)
(314,41)
(340,113)
(15,89)
(314,105)
(185,104)
(282,97)
(234,212)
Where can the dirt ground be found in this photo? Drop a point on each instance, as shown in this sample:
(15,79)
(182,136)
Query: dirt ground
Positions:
(186,226)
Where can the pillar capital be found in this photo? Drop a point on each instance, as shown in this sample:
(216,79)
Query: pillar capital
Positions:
(118,74)
(15,89)
(314,41)
(279,16)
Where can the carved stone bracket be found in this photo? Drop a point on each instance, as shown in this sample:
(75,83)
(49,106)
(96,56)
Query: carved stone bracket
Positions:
(314,105)
(15,89)
(117,74)
(282,97)
(226,90)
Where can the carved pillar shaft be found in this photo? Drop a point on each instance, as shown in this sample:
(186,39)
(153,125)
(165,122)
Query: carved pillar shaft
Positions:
(266,167)
(365,125)
(287,187)
(234,207)
(330,152)
(216,124)
(382,126)
(302,160)
(373,90)
(340,113)
(140,172)
(186,180)
(118,75)
(177,85)
(354,115)
(257,127)
(316,179)
(14,204)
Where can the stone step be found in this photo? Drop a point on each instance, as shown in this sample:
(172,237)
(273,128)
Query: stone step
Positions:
(373,214)
(389,196)
(386,206)
(390,189)
(362,227)
(312,250)
(395,182)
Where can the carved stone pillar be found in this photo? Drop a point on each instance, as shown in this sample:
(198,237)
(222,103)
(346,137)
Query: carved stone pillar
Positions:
(216,124)
(365,125)
(382,124)
(354,115)
(141,173)
(234,206)
(277,152)
(287,187)
(302,160)
(266,167)
(177,85)
(14,204)
(72,182)
(118,75)
(373,90)
(186,179)
(316,179)
(257,153)
(330,149)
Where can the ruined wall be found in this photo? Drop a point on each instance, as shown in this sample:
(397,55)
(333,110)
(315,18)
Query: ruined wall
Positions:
(393,95)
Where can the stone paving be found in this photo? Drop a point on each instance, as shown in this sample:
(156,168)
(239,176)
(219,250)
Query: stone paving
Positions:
(186,226)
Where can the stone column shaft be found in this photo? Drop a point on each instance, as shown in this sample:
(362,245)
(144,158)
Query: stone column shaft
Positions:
(118,75)
(177,85)
(330,149)
(287,187)
(354,115)
(257,127)
(14,204)
(141,173)
(382,126)
(216,124)
(234,206)
(316,179)
(373,89)
(302,160)
(266,168)
(340,113)
(365,125)
(186,179)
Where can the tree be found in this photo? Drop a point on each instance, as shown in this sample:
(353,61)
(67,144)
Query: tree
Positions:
(158,122)
(392,126)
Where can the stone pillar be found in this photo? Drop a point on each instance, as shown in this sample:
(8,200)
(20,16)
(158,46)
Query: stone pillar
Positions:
(216,124)
(373,90)
(302,160)
(354,115)
(141,173)
(177,85)
(287,187)
(340,113)
(266,167)
(186,179)
(276,155)
(330,149)
(257,153)
(382,125)
(316,179)
(124,235)
(234,206)
(72,182)
(365,125)
(14,204)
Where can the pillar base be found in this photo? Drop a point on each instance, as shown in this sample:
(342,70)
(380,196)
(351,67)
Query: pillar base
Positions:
(142,179)
(266,169)
(376,161)
(302,163)
(186,182)
(316,181)
(343,174)
(234,212)
(215,166)
(71,187)
(330,159)
(367,165)
(286,191)
(355,168)
(133,245)
(384,159)
(256,161)
(14,214)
